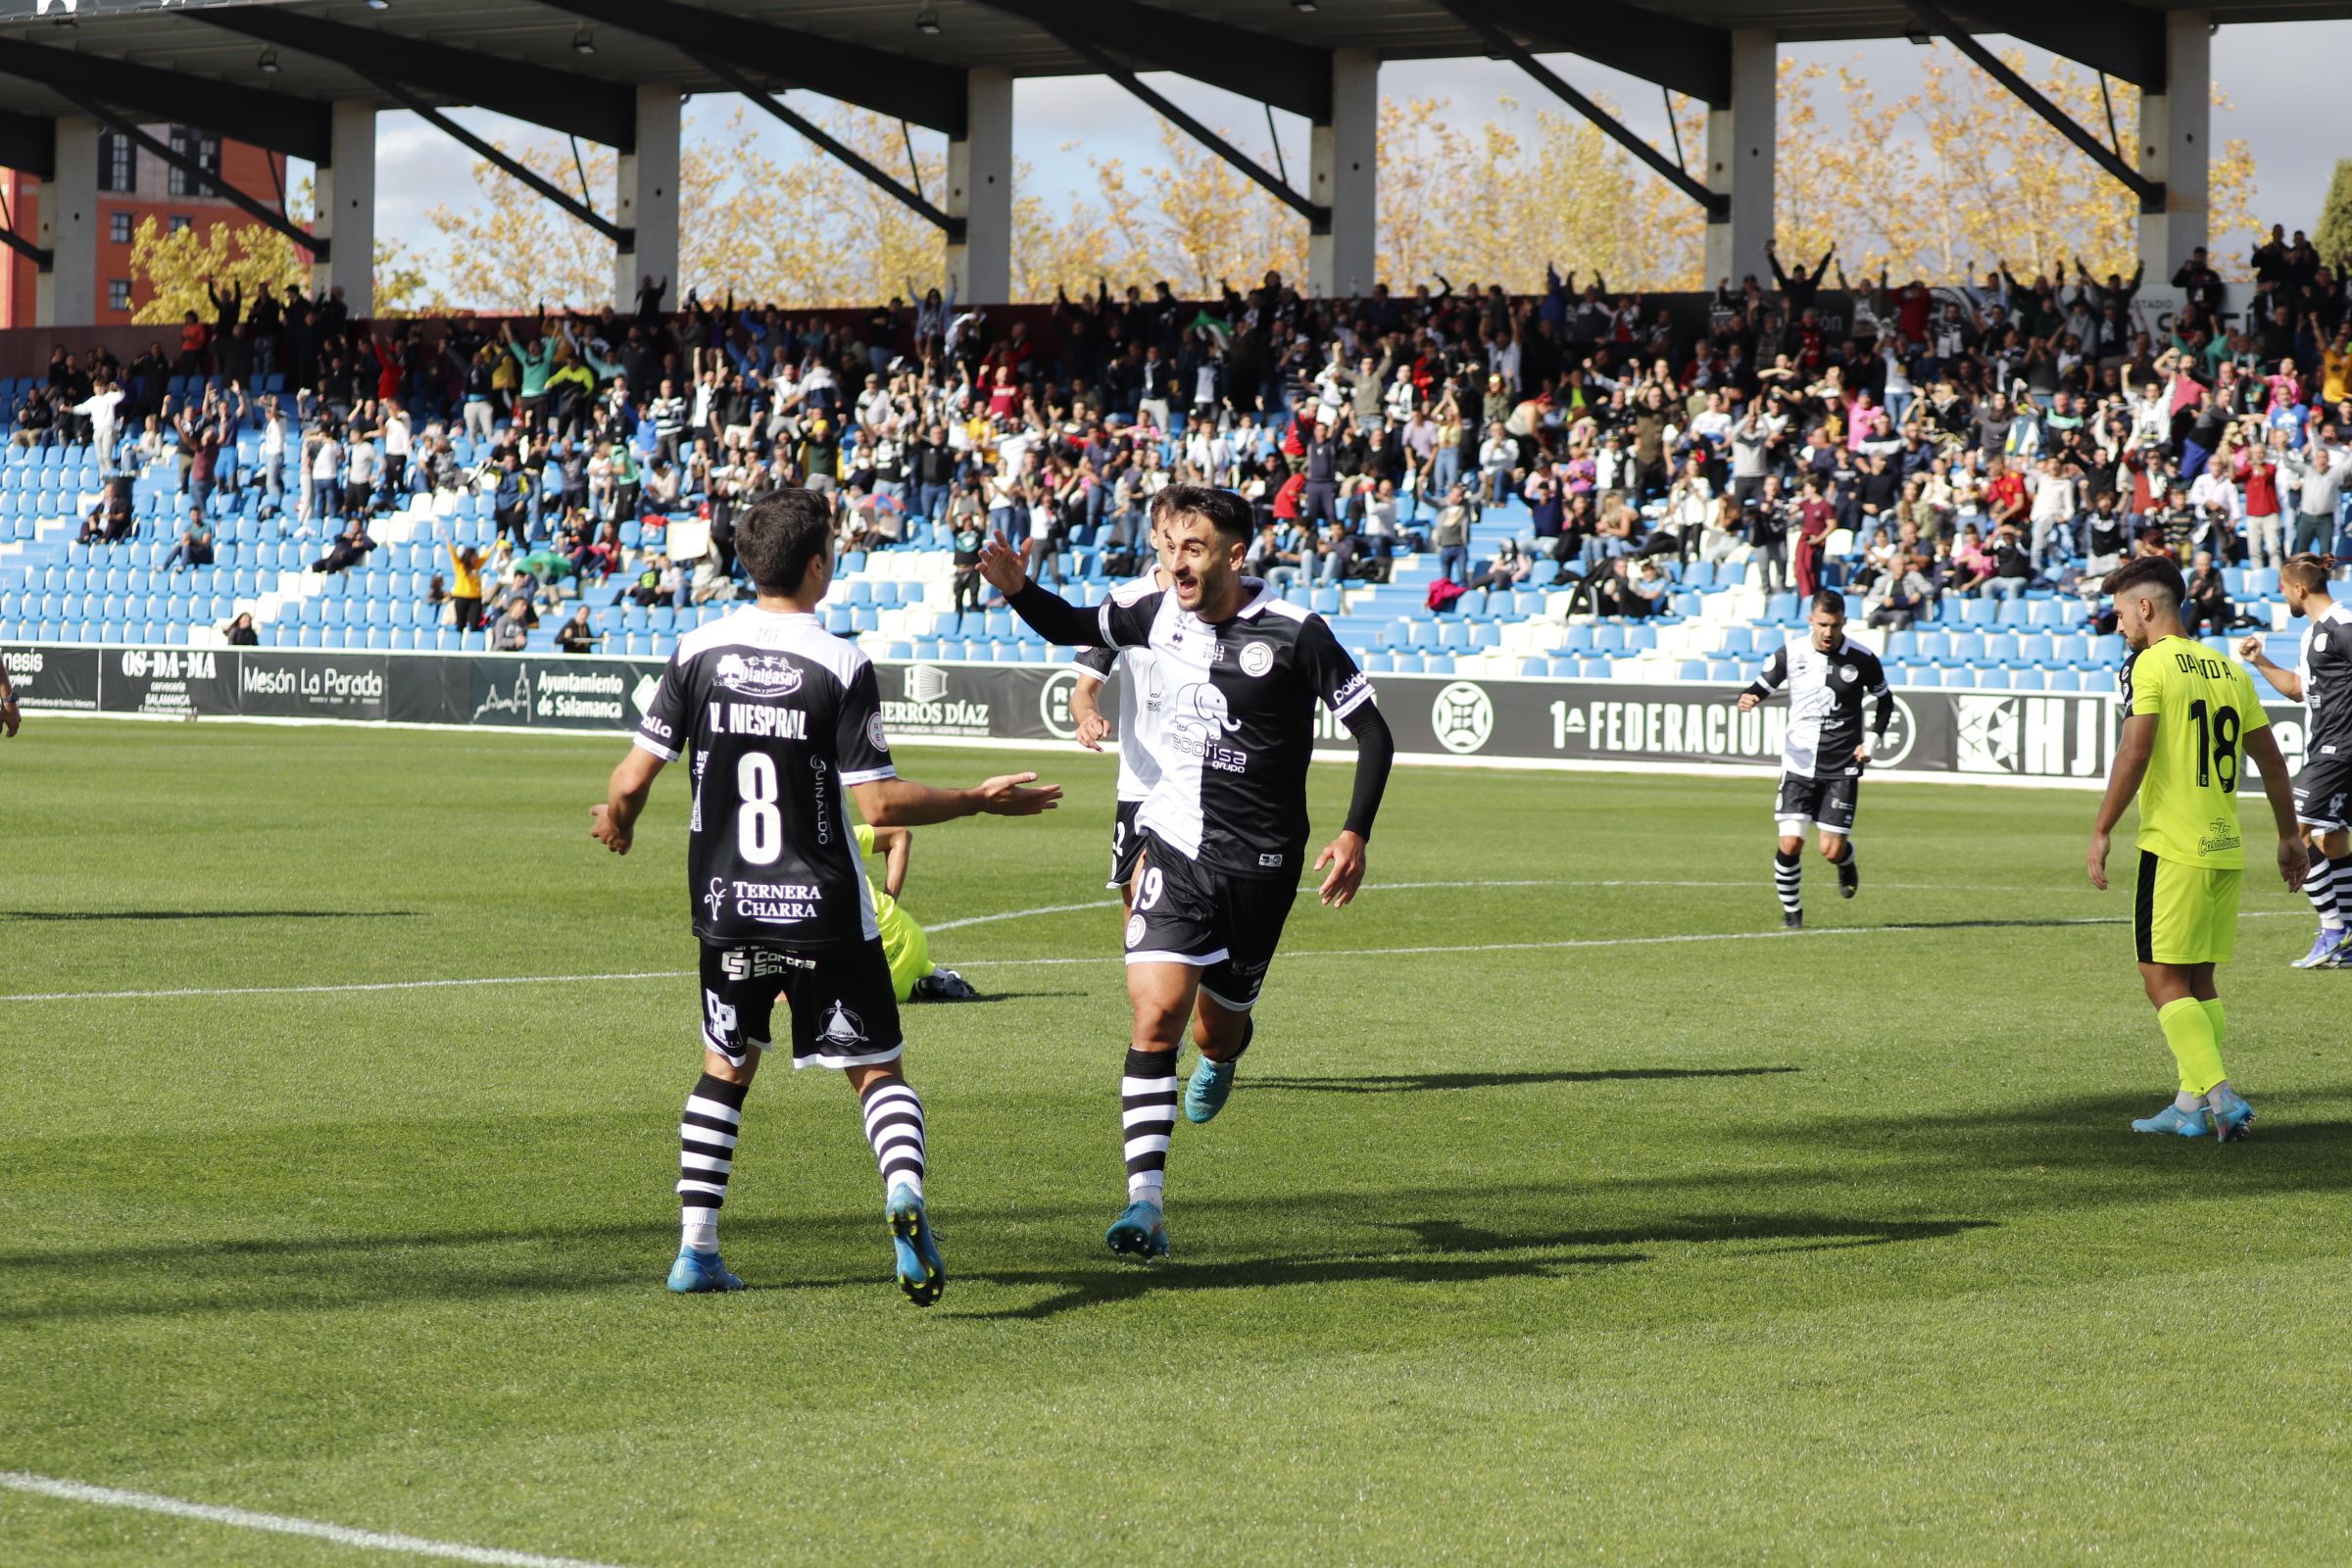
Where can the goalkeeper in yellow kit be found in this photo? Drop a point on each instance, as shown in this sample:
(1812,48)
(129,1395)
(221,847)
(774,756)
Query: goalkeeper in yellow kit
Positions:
(905,945)
(2191,718)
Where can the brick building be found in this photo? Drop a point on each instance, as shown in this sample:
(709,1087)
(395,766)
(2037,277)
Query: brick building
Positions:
(133,184)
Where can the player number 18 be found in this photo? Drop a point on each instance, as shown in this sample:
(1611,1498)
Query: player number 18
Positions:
(2217,745)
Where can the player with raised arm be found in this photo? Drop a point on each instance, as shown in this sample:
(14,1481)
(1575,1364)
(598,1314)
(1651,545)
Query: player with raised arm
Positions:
(1225,825)
(2322,681)
(1139,720)
(2190,717)
(782,718)
(1827,675)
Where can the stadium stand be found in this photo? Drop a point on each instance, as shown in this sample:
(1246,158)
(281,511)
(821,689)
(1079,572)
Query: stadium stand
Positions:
(1612,521)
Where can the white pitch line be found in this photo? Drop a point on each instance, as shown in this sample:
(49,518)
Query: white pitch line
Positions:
(373,985)
(280,1524)
(1402,886)
(1914,929)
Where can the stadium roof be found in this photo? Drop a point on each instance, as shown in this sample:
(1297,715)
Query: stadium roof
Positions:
(522,55)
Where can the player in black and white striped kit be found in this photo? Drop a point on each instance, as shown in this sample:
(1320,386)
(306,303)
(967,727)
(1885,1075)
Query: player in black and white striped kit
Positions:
(1138,727)
(1225,825)
(1823,758)
(784,724)
(2322,681)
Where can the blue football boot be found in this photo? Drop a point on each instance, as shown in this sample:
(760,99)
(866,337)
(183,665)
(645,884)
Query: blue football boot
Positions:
(921,1275)
(1207,1089)
(1139,1233)
(2324,948)
(2173,1119)
(697,1272)
(2232,1118)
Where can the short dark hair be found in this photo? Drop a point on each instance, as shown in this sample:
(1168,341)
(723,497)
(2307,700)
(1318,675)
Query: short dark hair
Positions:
(1225,509)
(784,530)
(2157,572)
(1832,601)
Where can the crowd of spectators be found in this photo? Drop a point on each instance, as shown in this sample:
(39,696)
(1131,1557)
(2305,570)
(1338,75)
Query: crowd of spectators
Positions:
(1909,443)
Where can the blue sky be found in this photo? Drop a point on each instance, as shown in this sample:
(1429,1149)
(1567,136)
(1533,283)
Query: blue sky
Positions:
(2284,81)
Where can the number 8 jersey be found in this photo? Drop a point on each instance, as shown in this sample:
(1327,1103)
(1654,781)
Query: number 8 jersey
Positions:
(781,716)
(2205,705)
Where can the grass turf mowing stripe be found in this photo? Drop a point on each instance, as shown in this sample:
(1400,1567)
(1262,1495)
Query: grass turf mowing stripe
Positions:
(282,1524)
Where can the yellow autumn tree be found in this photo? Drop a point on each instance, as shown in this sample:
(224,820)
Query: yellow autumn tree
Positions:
(1958,175)
(177,265)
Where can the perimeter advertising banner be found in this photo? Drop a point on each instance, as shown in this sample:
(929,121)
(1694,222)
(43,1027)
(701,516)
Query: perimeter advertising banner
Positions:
(2052,737)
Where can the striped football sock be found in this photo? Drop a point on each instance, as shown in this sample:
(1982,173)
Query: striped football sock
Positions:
(707,1135)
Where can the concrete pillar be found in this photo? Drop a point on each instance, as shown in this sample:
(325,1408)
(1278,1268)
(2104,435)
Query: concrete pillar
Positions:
(66,295)
(980,192)
(648,201)
(1739,162)
(2175,146)
(1344,175)
(346,186)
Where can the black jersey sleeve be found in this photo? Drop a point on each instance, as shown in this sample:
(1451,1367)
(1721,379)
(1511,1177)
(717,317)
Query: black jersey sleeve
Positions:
(1097,660)
(1329,669)
(1775,674)
(1066,625)
(1874,673)
(2122,681)
(860,747)
(668,725)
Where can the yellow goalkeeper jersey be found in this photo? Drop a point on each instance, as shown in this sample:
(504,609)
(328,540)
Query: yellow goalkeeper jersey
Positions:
(2205,706)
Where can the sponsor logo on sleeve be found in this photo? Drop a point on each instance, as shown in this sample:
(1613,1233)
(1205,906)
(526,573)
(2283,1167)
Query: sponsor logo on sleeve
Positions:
(874,734)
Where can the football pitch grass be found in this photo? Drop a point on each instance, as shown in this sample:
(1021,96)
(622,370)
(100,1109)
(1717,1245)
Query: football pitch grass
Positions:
(1566,1209)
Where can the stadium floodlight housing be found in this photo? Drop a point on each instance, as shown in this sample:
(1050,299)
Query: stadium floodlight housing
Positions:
(267,62)
(583,42)
(926,22)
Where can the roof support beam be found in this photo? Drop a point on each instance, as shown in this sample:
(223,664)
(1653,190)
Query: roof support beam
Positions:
(1685,57)
(1256,65)
(1665,168)
(914,201)
(283,124)
(29,144)
(626,238)
(577,106)
(2107,35)
(1316,213)
(125,125)
(900,87)
(2149,191)
(40,257)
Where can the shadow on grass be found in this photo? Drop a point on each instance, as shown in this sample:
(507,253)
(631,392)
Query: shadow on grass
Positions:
(208,914)
(1418,1082)
(325,1273)
(1452,1251)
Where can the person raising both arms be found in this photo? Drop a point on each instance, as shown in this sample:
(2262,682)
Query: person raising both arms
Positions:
(1225,826)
